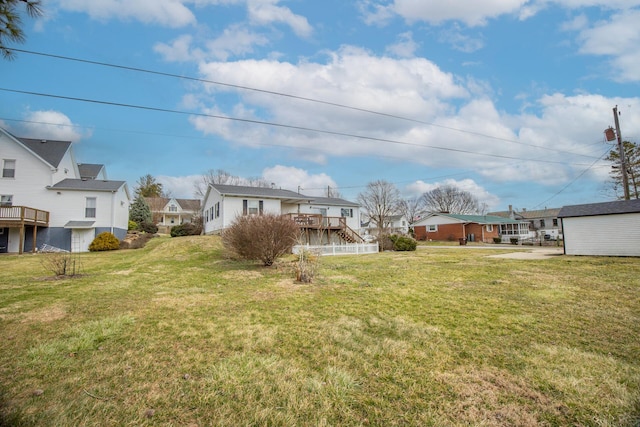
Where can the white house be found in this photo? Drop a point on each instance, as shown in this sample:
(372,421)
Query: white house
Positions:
(322,219)
(394,224)
(46,197)
(169,211)
(610,229)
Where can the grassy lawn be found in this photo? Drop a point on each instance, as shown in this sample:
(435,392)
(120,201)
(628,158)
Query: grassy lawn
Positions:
(177,334)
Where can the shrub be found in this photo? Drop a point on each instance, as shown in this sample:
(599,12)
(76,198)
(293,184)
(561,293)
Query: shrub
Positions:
(132,225)
(148,227)
(186,229)
(307,266)
(384,242)
(497,240)
(60,263)
(403,243)
(261,237)
(104,242)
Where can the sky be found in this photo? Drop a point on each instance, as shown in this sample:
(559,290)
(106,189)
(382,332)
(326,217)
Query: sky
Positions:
(506,99)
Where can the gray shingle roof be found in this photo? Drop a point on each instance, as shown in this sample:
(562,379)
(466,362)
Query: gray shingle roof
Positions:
(606,208)
(87,184)
(273,193)
(333,201)
(89,170)
(51,151)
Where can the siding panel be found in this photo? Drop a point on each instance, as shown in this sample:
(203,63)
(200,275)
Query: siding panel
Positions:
(609,235)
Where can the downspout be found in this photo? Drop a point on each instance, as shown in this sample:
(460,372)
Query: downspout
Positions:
(113,210)
(564,241)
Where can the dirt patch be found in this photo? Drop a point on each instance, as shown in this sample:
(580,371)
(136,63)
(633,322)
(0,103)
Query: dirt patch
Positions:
(533,254)
(45,315)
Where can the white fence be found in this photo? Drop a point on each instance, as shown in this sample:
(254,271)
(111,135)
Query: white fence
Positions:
(333,249)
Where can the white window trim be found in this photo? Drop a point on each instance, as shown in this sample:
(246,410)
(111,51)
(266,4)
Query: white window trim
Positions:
(88,207)
(4,168)
(432,228)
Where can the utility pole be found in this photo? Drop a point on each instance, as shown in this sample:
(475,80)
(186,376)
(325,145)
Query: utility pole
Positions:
(623,162)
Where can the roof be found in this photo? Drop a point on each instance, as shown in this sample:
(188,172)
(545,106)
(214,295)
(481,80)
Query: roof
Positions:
(51,151)
(158,203)
(606,208)
(478,219)
(89,170)
(272,193)
(525,214)
(334,201)
(79,224)
(88,184)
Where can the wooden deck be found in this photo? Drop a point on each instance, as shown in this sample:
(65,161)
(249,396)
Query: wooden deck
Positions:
(334,224)
(22,216)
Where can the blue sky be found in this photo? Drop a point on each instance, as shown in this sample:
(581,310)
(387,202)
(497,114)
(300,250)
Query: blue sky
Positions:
(507,99)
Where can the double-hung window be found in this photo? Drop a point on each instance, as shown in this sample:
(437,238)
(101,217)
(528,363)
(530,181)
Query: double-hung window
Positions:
(217,210)
(6,200)
(8,168)
(346,212)
(252,207)
(432,228)
(90,207)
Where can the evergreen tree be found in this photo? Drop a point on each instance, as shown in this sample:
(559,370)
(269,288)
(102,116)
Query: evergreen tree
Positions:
(140,212)
(11,22)
(632,157)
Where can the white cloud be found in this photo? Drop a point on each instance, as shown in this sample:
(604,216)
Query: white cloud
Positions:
(265,12)
(52,125)
(471,12)
(459,41)
(619,39)
(180,187)
(179,50)
(418,188)
(236,40)
(169,13)
(405,47)
(292,178)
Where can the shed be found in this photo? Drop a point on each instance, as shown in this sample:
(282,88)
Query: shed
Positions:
(609,229)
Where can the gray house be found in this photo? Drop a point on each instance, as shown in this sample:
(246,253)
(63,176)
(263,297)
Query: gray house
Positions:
(609,229)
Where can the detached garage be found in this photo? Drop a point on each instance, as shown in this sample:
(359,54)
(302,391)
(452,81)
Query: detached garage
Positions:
(609,229)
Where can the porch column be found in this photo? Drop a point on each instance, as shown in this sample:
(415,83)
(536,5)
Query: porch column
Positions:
(21,247)
(35,234)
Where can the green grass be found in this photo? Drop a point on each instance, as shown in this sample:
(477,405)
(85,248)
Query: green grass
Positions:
(178,334)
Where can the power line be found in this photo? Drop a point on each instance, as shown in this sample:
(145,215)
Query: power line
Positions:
(291,96)
(273,124)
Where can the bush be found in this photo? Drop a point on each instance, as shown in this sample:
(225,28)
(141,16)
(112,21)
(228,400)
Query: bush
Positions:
(384,242)
(261,237)
(307,266)
(104,242)
(186,229)
(136,241)
(148,227)
(403,243)
(132,225)
(497,240)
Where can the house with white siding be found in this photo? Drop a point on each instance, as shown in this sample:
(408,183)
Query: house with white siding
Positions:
(168,212)
(609,229)
(321,219)
(47,198)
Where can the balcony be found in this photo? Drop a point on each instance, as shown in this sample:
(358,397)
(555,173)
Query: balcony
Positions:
(18,216)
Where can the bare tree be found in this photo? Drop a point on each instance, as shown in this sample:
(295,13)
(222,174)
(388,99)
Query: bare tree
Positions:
(450,199)
(222,177)
(412,208)
(380,200)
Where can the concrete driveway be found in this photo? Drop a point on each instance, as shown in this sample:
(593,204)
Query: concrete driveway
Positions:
(519,252)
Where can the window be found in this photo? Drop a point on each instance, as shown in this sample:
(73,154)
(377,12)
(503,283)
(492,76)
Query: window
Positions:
(8,168)
(346,212)
(489,228)
(6,200)
(432,228)
(542,223)
(90,208)
(252,207)
(404,223)
(555,222)
(217,210)
(173,208)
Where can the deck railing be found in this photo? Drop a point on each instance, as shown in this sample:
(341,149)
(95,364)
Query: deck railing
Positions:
(24,215)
